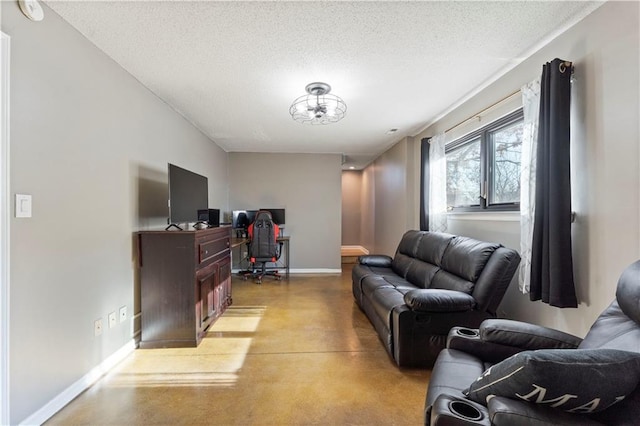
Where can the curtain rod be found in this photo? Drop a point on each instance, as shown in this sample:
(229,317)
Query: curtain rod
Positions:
(478,114)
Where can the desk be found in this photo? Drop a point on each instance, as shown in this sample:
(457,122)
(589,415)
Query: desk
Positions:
(282,263)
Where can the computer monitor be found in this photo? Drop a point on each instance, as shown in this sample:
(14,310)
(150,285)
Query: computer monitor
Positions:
(277,215)
(243,218)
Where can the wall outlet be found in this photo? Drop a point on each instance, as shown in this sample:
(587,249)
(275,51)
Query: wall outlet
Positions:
(97,327)
(123,314)
(112,319)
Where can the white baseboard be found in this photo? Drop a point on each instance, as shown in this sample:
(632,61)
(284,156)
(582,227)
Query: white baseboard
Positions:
(303,271)
(315,271)
(67,395)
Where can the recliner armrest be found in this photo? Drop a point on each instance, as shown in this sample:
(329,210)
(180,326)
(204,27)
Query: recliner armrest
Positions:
(450,410)
(379,260)
(525,336)
(437,300)
(511,412)
(468,340)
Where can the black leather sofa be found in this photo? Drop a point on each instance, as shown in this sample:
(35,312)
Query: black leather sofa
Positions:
(434,282)
(474,357)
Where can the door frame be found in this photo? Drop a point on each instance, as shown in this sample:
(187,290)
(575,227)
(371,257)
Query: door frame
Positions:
(4,227)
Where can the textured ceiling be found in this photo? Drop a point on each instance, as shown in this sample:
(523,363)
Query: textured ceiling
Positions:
(233,68)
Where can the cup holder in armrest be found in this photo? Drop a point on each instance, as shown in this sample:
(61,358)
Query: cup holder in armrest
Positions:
(465,410)
(467,332)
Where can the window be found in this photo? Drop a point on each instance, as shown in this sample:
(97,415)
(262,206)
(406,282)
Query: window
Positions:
(483,168)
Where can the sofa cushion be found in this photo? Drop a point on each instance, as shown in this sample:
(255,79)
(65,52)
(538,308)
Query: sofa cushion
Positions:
(383,300)
(421,273)
(613,330)
(409,243)
(574,380)
(406,252)
(401,264)
(447,281)
(432,246)
(359,272)
(509,412)
(466,257)
(452,373)
(628,291)
(362,271)
(372,283)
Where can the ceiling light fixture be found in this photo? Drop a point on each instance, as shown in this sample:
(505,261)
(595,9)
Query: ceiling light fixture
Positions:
(318,106)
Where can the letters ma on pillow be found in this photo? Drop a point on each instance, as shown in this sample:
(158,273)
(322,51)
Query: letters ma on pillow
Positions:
(573,380)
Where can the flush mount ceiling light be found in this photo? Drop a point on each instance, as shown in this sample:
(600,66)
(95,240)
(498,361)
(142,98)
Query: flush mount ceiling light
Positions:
(318,106)
(31,9)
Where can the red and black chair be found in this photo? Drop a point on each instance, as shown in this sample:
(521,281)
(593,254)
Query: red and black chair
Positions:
(263,246)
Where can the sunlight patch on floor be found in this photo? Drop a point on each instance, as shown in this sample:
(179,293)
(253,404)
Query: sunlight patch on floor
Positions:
(228,339)
(353,251)
(241,319)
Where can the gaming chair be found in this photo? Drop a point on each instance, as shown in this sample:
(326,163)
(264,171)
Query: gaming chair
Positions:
(263,245)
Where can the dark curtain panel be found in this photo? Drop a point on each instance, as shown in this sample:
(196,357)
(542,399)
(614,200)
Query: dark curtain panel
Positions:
(424,185)
(551,261)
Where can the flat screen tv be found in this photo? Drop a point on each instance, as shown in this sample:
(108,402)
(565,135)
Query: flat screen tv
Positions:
(188,193)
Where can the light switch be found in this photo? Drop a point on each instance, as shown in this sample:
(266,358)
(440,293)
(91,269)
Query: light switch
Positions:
(23,205)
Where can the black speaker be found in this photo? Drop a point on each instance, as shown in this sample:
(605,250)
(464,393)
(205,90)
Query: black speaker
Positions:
(211,216)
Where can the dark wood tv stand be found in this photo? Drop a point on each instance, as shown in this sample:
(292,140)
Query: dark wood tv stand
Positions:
(185,284)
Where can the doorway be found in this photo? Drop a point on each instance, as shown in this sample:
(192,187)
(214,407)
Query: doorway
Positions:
(354,216)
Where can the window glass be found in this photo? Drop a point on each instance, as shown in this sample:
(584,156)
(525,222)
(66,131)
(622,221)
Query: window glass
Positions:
(505,164)
(463,175)
(483,167)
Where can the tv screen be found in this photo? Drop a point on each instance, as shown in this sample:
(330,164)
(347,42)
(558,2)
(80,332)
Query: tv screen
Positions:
(277,215)
(188,193)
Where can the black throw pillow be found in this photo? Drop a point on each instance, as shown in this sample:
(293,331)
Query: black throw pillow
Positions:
(573,380)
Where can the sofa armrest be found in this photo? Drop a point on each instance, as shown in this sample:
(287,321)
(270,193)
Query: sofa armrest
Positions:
(380,260)
(525,336)
(511,412)
(436,300)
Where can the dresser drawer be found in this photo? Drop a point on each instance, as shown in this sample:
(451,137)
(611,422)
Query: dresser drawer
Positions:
(209,250)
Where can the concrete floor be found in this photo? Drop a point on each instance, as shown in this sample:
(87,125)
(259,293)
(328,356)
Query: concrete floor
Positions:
(294,352)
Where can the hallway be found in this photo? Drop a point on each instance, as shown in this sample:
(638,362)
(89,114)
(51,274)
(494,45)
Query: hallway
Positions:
(291,352)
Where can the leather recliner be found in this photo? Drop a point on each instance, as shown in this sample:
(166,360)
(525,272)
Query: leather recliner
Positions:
(470,352)
(434,282)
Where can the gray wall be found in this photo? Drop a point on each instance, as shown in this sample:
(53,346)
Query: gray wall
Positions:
(605,160)
(351,207)
(368,209)
(91,145)
(390,186)
(308,186)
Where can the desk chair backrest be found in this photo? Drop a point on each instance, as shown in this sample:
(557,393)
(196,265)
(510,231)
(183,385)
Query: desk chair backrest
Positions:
(263,235)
